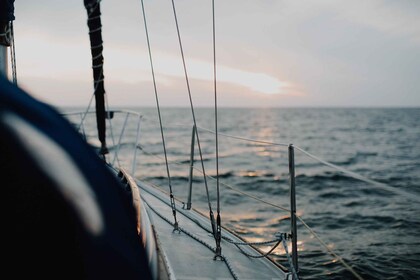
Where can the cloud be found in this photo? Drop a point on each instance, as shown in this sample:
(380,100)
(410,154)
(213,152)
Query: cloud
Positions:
(320,52)
(131,63)
(401,18)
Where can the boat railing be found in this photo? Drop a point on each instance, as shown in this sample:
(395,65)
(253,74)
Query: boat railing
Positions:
(291,180)
(80,127)
(292,177)
(291,149)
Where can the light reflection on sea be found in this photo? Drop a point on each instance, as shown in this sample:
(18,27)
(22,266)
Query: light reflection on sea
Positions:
(374,230)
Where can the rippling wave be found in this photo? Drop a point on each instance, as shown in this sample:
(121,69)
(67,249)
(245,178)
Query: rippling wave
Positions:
(374,230)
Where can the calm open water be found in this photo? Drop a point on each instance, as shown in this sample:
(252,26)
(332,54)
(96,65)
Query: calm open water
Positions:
(374,230)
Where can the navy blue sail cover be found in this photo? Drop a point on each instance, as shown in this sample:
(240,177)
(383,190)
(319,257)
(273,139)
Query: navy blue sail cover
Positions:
(65,215)
(6,16)
(7,10)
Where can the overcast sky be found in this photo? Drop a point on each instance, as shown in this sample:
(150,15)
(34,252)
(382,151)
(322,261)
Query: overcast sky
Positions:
(269,52)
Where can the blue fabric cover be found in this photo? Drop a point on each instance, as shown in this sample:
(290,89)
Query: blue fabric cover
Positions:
(7,10)
(44,236)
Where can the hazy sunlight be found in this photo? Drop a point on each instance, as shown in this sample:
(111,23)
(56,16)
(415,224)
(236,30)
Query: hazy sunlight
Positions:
(260,82)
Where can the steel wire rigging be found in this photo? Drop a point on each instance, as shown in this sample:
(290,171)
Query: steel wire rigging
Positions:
(172,199)
(216,223)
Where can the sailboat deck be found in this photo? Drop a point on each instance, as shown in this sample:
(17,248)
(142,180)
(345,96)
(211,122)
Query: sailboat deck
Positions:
(187,255)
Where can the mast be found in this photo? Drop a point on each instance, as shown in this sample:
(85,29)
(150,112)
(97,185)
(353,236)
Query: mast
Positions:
(6,17)
(96,46)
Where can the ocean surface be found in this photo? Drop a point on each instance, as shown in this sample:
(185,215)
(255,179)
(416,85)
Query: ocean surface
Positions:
(375,230)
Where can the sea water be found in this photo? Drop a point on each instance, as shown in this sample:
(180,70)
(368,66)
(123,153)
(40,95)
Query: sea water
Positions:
(373,229)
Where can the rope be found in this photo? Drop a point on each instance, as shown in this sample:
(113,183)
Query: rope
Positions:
(191,105)
(292,268)
(160,118)
(259,256)
(97,65)
(96,47)
(218,220)
(93,18)
(282,208)
(193,116)
(95,27)
(260,243)
(110,126)
(238,244)
(223,184)
(117,150)
(96,82)
(134,163)
(13,54)
(204,228)
(345,171)
(228,264)
(257,198)
(87,110)
(362,178)
(330,250)
(281,237)
(98,55)
(246,139)
(99,80)
(232,136)
(84,131)
(92,9)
